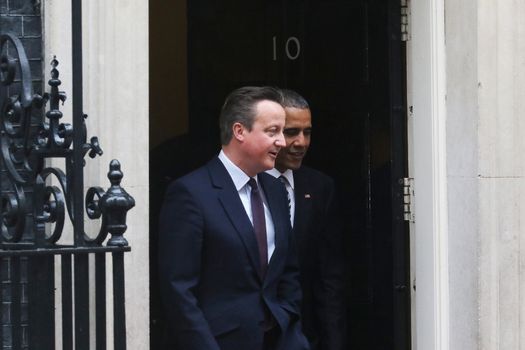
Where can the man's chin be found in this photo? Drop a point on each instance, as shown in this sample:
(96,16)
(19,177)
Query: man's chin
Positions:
(282,167)
(269,165)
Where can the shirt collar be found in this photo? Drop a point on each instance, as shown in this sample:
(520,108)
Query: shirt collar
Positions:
(288,174)
(238,176)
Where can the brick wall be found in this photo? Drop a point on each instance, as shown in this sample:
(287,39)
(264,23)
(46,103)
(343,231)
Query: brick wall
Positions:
(23,19)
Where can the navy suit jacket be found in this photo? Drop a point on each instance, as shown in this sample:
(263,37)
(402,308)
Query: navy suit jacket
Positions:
(213,295)
(318,233)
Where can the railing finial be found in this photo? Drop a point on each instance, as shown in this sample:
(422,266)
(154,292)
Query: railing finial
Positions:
(114,205)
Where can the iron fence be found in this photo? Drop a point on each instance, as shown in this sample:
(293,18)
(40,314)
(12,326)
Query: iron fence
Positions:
(37,199)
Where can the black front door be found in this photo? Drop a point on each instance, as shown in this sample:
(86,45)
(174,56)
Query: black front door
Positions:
(346,58)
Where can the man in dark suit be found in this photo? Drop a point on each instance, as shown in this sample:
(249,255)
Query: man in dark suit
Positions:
(228,270)
(316,230)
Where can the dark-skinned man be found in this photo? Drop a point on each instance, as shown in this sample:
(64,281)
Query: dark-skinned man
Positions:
(316,230)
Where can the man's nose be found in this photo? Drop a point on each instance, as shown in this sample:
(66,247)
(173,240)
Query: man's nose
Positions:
(300,140)
(280,140)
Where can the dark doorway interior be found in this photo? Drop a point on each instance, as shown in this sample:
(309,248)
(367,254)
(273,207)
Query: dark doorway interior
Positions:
(347,59)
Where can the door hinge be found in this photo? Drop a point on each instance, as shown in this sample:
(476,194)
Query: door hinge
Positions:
(405,20)
(408,199)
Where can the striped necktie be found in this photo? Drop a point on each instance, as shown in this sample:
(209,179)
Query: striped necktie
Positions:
(284,180)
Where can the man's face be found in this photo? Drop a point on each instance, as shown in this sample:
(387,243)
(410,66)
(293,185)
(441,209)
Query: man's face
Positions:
(297,132)
(263,142)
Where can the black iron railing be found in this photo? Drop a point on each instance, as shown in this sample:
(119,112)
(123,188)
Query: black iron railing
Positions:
(38,199)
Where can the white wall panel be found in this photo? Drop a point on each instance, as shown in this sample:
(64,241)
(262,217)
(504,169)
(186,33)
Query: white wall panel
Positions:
(116,98)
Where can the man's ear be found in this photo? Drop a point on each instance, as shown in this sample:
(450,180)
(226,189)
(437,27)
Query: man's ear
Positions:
(238,131)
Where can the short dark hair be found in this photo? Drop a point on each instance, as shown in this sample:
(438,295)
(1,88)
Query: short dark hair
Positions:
(292,99)
(239,108)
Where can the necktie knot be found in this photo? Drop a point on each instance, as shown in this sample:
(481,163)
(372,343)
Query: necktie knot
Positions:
(253,184)
(283,179)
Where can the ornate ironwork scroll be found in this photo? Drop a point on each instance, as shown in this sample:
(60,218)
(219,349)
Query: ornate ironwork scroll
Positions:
(27,149)
(36,201)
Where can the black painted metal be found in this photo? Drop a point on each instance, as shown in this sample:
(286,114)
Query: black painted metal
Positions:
(78,117)
(67,303)
(119,314)
(400,230)
(100,300)
(33,211)
(81,292)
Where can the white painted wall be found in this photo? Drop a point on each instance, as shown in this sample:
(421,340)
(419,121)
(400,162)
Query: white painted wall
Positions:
(485,128)
(501,135)
(117,101)
(480,45)
(462,171)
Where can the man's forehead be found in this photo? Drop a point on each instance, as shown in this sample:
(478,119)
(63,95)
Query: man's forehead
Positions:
(268,104)
(298,121)
(296,112)
(296,109)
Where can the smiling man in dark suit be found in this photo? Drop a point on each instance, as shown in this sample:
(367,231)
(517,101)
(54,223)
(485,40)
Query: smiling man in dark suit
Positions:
(228,269)
(316,230)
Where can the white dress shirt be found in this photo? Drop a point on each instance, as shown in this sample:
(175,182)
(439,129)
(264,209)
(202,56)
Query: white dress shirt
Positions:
(240,180)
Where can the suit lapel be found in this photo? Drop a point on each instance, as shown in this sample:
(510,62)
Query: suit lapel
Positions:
(272,197)
(303,203)
(229,198)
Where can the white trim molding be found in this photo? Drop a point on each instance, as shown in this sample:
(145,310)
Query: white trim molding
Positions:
(427,158)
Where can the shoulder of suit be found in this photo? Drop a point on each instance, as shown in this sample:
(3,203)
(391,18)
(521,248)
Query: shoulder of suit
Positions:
(271,183)
(312,174)
(195,176)
(189,178)
(268,178)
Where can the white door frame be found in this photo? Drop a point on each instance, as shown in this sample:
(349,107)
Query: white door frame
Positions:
(427,165)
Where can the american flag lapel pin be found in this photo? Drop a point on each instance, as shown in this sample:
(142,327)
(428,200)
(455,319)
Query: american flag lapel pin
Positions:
(307,195)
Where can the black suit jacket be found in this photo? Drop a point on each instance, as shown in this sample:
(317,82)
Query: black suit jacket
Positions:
(213,295)
(318,234)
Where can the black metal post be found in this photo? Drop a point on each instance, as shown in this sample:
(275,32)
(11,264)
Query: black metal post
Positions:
(67,303)
(81,291)
(78,121)
(81,261)
(119,309)
(100,300)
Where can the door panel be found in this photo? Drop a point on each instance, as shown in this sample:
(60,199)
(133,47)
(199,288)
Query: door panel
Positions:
(345,58)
